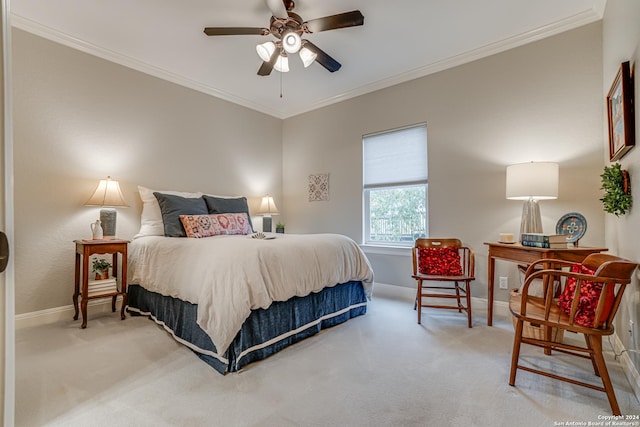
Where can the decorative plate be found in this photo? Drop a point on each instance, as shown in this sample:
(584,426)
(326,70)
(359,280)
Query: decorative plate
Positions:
(573,225)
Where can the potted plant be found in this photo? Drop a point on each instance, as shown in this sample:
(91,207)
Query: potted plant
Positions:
(101,268)
(279,227)
(617,191)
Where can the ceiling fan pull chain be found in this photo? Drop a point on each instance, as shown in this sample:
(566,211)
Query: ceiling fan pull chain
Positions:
(281,84)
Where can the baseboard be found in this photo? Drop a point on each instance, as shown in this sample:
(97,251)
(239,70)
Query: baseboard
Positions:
(630,371)
(52,315)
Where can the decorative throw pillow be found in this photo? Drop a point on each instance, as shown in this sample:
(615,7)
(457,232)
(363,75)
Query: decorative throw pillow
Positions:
(215,225)
(439,262)
(173,206)
(151,217)
(220,205)
(589,296)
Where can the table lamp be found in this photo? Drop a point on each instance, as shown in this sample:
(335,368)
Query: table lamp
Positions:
(109,196)
(531,182)
(267,209)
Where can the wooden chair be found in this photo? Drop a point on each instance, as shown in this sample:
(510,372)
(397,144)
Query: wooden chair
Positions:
(447,262)
(613,273)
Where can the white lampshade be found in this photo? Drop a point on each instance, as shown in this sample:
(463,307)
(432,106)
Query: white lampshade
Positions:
(282,64)
(267,209)
(291,42)
(307,57)
(265,50)
(109,196)
(533,180)
(268,206)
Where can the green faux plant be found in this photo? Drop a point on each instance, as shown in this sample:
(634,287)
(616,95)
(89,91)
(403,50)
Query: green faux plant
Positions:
(279,225)
(100,265)
(617,192)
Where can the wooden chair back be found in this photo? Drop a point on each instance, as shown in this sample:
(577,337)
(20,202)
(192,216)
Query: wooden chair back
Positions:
(467,257)
(613,272)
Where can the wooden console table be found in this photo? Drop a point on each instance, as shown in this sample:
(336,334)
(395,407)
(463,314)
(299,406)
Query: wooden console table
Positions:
(526,255)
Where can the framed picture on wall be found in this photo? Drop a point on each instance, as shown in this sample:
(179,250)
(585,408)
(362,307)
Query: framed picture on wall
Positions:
(620,114)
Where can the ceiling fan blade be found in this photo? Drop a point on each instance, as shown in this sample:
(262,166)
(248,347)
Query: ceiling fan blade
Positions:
(267,66)
(323,59)
(277,8)
(235,31)
(333,22)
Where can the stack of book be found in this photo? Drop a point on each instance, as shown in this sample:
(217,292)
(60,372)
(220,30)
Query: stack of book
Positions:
(540,240)
(99,287)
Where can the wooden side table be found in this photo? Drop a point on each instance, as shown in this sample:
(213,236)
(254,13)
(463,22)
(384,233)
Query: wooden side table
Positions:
(86,248)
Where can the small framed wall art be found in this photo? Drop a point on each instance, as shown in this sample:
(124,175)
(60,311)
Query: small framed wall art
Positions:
(319,187)
(620,114)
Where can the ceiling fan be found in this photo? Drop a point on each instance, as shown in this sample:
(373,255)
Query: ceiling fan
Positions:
(288,28)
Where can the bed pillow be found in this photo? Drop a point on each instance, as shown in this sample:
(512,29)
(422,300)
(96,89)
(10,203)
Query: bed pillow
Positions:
(151,217)
(589,295)
(216,224)
(220,205)
(439,262)
(173,206)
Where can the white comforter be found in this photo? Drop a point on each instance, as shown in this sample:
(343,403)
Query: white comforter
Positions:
(228,276)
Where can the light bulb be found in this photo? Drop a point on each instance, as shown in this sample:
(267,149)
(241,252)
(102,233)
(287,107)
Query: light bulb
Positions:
(291,42)
(265,50)
(307,56)
(282,64)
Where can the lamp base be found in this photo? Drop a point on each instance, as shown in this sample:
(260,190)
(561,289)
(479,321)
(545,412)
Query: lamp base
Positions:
(108,221)
(531,221)
(266,223)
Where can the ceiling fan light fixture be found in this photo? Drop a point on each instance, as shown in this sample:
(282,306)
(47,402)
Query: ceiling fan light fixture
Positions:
(291,41)
(307,56)
(282,64)
(265,50)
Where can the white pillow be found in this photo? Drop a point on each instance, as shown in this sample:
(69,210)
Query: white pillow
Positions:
(151,218)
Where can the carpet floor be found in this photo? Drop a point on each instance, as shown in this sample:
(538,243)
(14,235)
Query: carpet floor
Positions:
(380,369)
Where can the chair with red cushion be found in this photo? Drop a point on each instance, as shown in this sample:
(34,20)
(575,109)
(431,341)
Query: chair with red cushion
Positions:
(448,263)
(587,305)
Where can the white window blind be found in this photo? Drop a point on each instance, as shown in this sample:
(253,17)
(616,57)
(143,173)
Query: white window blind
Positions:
(397,157)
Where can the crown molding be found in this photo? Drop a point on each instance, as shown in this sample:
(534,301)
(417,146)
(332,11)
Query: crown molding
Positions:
(575,21)
(48,33)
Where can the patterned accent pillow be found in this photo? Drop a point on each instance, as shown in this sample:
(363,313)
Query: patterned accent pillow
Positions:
(215,225)
(589,295)
(439,262)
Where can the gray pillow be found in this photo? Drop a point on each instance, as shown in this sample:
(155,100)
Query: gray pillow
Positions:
(222,205)
(172,207)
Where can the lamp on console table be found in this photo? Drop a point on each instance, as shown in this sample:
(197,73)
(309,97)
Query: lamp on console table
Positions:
(267,210)
(109,196)
(531,182)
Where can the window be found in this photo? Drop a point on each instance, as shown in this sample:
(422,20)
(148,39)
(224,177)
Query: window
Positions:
(395,186)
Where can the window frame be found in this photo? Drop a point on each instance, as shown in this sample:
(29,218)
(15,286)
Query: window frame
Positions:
(367,188)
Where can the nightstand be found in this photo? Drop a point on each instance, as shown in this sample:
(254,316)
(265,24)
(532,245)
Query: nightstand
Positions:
(84,250)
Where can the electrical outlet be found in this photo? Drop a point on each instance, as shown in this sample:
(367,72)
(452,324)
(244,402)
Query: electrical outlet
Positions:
(504,283)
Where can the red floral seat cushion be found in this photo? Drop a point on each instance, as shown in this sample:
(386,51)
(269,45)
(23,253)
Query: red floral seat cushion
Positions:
(589,295)
(439,262)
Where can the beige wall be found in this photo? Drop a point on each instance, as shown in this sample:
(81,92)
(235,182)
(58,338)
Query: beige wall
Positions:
(539,102)
(79,118)
(621,42)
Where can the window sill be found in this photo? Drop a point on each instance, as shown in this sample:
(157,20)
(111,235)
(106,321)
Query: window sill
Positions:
(387,250)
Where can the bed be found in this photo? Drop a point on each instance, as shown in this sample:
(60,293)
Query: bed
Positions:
(234,299)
